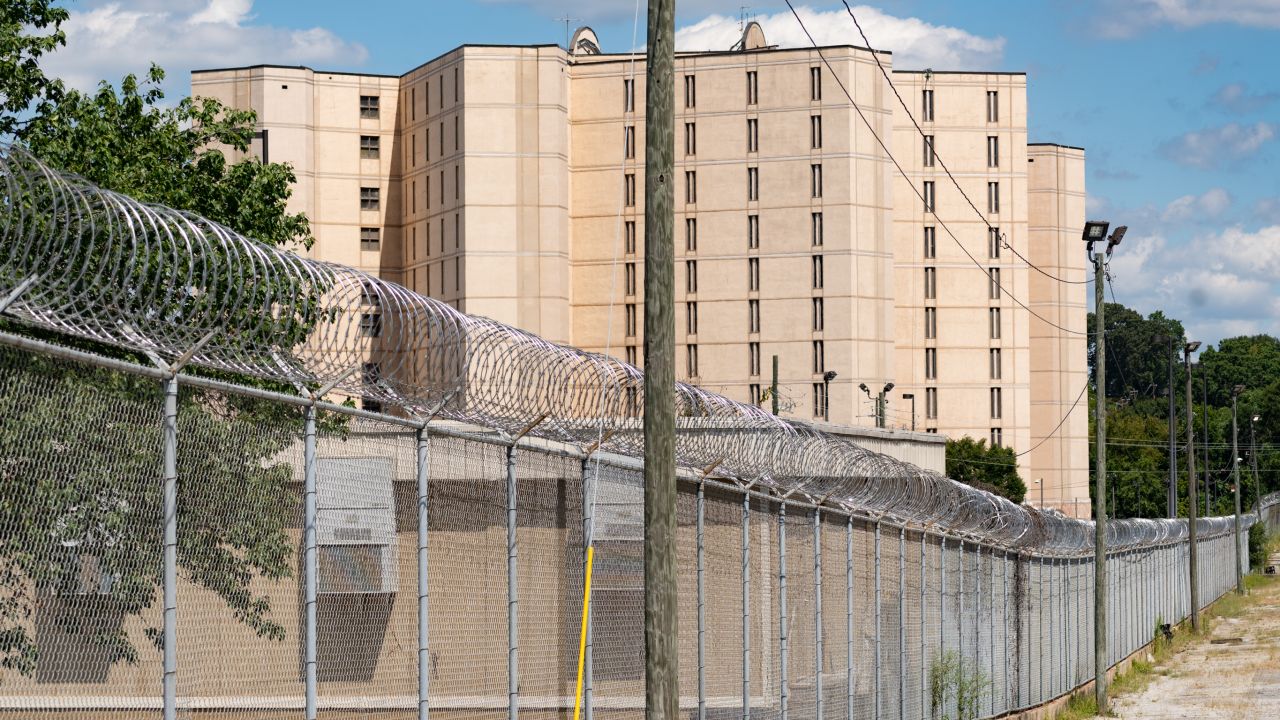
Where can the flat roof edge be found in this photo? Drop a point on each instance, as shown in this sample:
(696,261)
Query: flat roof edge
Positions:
(1053,144)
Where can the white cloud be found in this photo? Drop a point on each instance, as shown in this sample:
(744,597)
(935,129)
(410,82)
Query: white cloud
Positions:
(1214,147)
(915,44)
(107,40)
(1236,98)
(1124,18)
(1211,204)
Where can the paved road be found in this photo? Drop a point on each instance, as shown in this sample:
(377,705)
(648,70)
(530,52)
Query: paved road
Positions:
(1208,681)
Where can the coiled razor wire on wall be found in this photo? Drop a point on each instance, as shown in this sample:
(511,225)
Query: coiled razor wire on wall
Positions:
(96,264)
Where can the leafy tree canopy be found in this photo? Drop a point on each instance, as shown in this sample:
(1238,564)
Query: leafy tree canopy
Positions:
(28,30)
(994,469)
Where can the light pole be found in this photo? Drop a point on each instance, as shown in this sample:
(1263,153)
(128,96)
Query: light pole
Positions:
(884,402)
(1171,502)
(1095,232)
(827,377)
(1193,573)
(912,398)
(880,400)
(1204,407)
(1253,459)
(1040,482)
(1235,473)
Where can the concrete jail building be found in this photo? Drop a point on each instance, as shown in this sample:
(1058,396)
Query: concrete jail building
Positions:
(508,181)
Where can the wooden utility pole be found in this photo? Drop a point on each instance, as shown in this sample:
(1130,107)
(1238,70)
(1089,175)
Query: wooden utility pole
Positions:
(1100,487)
(773,387)
(660,639)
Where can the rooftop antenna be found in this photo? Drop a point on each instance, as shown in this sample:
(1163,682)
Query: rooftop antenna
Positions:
(743,14)
(567,20)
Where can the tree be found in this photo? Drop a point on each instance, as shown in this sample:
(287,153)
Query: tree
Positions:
(994,469)
(234,503)
(22,81)
(1137,359)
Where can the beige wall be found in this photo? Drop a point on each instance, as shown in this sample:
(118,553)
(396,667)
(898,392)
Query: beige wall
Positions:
(1059,371)
(520,216)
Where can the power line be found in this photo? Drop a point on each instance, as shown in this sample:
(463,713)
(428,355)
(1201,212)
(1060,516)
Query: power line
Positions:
(936,156)
(912,185)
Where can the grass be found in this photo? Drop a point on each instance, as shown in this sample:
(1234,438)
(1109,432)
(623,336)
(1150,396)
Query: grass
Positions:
(1080,707)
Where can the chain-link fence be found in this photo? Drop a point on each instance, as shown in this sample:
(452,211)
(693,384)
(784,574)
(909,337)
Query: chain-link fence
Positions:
(787,609)
(193,538)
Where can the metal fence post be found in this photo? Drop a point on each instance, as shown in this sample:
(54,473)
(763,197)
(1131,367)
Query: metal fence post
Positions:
(817,612)
(848,614)
(1004,622)
(784,689)
(170,679)
(902,622)
(702,604)
(310,580)
(1040,621)
(924,685)
(877,596)
(991,622)
(942,596)
(513,598)
(424,657)
(589,484)
(960,601)
(746,604)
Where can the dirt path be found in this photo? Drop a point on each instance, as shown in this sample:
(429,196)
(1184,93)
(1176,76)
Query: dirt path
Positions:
(1225,680)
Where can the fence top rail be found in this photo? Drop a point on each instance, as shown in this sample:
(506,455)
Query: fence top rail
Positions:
(89,263)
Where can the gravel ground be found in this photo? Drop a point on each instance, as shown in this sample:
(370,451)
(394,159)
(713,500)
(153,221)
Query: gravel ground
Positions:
(1227,680)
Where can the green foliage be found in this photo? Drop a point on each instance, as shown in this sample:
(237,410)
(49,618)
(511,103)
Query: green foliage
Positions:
(28,30)
(994,469)
(955,683)
(1136,359)
(1258,545)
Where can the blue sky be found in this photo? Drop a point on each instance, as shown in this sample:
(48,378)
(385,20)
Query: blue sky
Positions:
(1177,102)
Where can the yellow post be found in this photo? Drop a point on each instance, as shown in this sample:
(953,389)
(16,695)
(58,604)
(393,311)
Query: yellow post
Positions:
(582,641)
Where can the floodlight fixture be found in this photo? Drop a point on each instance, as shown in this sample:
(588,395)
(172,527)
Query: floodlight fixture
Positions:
(1192,346)
(888,387)
(1117,236)
(1095,230)
(1237,389)
(829,375)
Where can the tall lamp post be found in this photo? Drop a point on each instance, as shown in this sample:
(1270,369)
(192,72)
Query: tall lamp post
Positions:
(1253,459)
(1193,573)
(1235,473)
(880,400)
(912,398)
(1095,232)
(1204,409)
(827,377)
(1040,482)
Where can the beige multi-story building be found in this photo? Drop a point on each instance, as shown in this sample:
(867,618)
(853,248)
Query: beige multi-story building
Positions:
(509,182)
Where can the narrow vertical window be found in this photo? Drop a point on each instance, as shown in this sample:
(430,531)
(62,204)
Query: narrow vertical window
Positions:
(690,139)
(994,288)
(753,135)
(690,187)
(930,283)
(441,139)
(815,229)
(631,319)
(817,272)
(691,276)
(413,150)
(993,151)
(928,151)
(753,390)
(629,237)
(997,404)
(993,106)
(931,403)
(690,91)
(753,316)
(753,358)
(931,363)
(691,318)
(819,314)
(819,399)
(631,355)
(457,184)
(457,134)
(815,84)
(457,86)
(753,184)
(413,197)
(753,274)
(996,371)
(628,95)
(629,189)
(629,271)
(691,351)
(994,316)
(819,358)
(753,232)
(997,437)
(931,323)
(753,88)
(815,180)
(994,241)
(930,242)
(993,197)
(691,234)
(929,199)
(926,106)
(440,82)
(815,132)
(629,141)
(413,103)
